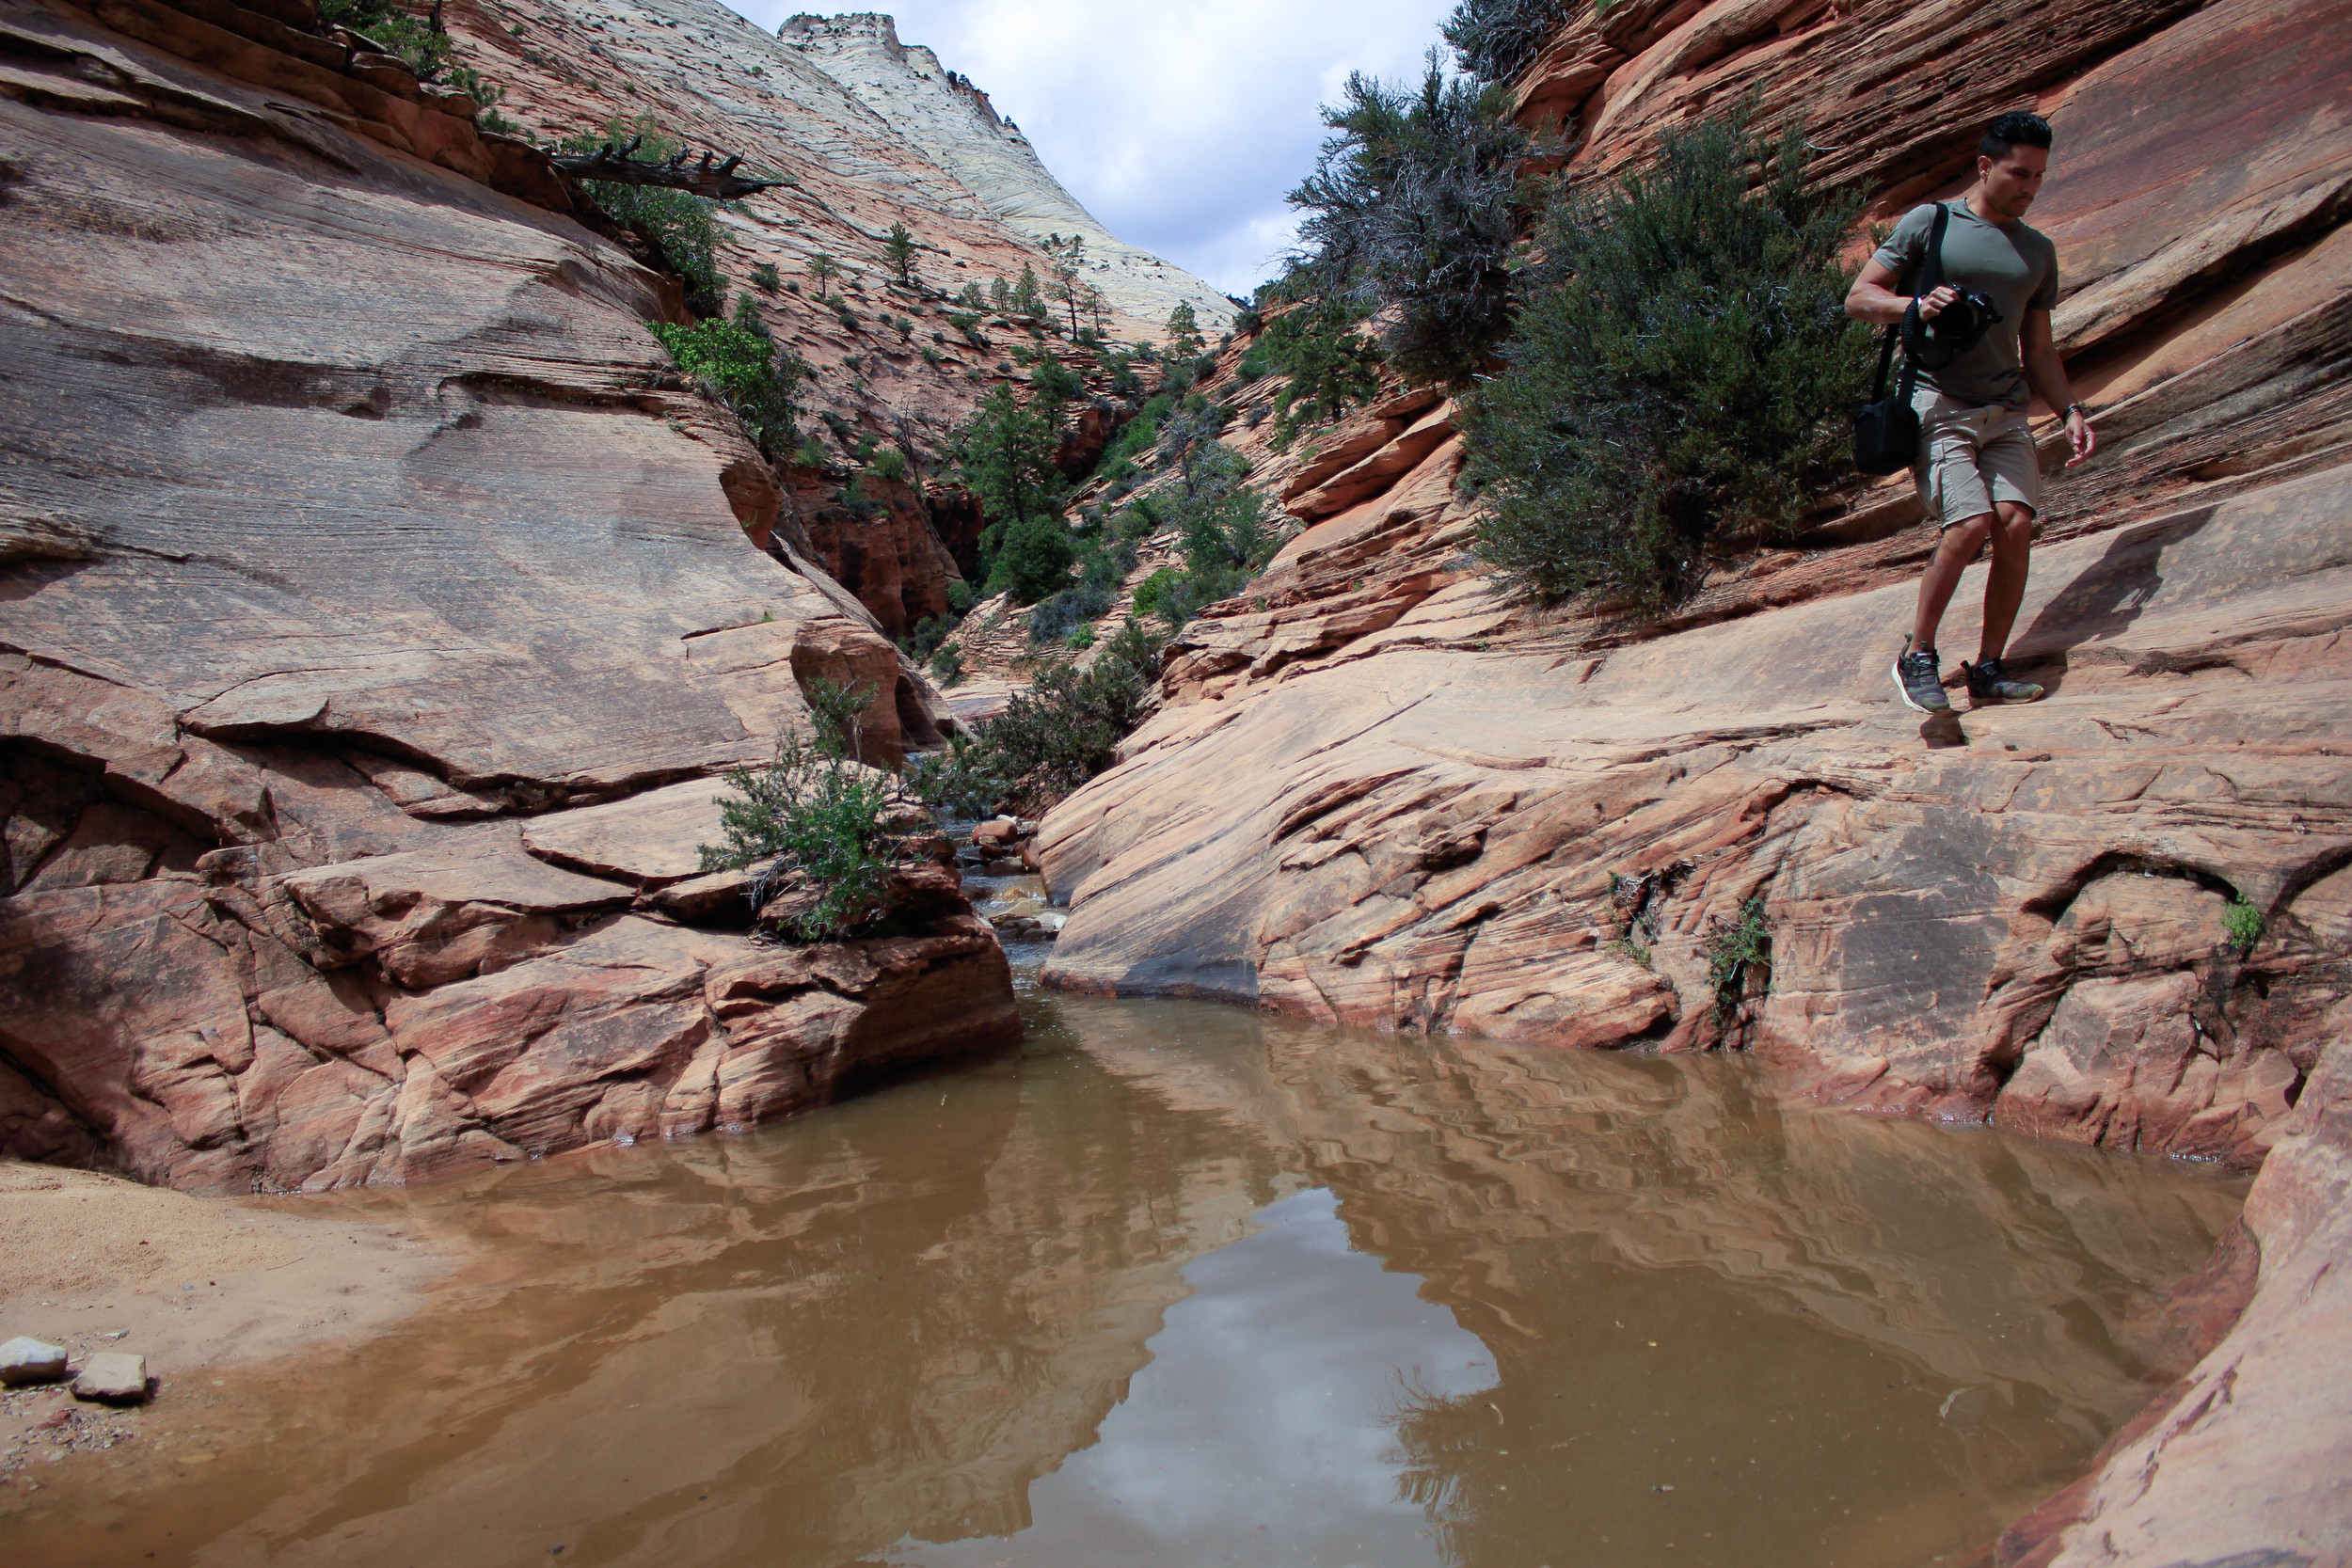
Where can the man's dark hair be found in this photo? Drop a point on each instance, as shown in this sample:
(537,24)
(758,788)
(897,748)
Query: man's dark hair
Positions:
(2014,129)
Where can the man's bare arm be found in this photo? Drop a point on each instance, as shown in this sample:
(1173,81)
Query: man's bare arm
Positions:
(2046,374)
(1873,297)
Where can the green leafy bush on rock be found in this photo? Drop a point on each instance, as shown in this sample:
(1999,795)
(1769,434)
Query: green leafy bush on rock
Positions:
(1683,373)
(1050,739)
(678,224)
(824,830)
(737,362)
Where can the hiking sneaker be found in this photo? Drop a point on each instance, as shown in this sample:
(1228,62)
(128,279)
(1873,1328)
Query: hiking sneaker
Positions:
(1989,683)
(1920,683)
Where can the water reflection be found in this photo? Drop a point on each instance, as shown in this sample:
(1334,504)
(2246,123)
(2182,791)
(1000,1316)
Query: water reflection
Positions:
(1177,1272)
(1264,1428)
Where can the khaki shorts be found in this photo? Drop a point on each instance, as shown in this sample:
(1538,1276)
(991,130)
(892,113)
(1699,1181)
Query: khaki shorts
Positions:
(1969,458)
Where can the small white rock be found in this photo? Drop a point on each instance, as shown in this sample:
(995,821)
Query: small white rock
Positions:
(114,1376)
(25,1359)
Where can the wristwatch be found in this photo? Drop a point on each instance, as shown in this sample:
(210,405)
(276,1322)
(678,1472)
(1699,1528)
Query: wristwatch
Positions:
(2073,408)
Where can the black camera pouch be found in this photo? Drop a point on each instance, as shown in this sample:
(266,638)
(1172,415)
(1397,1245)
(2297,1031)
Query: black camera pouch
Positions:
(1887,430)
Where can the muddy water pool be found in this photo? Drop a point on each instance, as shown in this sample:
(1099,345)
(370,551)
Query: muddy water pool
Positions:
(1177,1284)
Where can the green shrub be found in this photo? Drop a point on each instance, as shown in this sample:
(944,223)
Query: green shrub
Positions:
(825,823)
(948,664)
(2245,923)
(487,95)
(836,716)
(1735,948)
(1153,590)
(1137,435)
(1222,531)
(1031,558)
(1050,739)
(1055,619)
(1410,212)
(737,362)
(1083,638)
(924,638)
(1188,441)
(414,43)
(888,464)
(676,224)
(765,277)
(1054,384)
(1496,40)
(1683,371)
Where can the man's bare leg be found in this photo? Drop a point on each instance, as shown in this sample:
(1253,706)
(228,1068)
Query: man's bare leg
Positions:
(1954,551)
(2005,590)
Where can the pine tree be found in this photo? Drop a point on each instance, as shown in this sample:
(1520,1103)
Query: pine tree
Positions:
(1184,332)
(823,269)
(1029,299)
(1069,257)
(1006,452)
(900,250)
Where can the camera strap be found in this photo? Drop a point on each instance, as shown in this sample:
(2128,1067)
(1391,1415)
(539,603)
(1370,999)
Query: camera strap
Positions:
(1914,331)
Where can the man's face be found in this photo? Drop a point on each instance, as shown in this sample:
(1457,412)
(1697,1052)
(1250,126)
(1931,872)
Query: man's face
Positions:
(2011,181)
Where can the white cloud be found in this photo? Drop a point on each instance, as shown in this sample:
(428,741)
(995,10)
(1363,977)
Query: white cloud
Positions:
(1181,124)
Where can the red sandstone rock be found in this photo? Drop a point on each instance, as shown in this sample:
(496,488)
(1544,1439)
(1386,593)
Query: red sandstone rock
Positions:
(344,516)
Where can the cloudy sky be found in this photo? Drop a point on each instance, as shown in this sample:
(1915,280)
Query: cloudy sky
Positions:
(1179,124)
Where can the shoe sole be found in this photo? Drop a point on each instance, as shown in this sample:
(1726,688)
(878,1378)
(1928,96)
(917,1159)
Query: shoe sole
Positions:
(1902,691)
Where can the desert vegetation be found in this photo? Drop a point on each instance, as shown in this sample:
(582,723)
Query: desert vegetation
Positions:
(1411,211)
(823,829)
(679,225)
(1050,739)
(1679,374)
(737,361)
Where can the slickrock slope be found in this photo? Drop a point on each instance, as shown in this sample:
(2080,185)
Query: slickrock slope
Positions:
(347,513)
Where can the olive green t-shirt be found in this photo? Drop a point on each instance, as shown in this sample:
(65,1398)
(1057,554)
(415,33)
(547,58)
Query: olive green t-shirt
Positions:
(2013,267)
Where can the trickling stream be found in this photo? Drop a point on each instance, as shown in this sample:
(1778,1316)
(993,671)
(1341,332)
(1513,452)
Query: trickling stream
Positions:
(1179,1284)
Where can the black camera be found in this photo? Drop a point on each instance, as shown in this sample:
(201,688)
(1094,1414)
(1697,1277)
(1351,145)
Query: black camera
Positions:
(1959,324)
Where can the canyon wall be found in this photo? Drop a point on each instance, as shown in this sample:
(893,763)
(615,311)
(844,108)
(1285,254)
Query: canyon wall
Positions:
(380,609)
(871,133)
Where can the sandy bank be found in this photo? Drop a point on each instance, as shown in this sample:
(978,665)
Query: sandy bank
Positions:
(96,1262)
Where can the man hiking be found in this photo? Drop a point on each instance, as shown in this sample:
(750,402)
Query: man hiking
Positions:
(1977,471)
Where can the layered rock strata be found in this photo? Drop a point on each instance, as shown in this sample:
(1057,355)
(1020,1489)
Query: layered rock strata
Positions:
(365,558)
